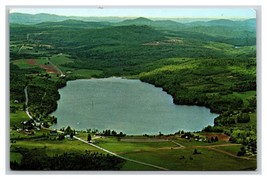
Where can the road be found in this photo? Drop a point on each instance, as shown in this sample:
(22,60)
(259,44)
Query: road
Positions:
(26,101)
(213,147)
(114,154)
(20,48)
(59,70)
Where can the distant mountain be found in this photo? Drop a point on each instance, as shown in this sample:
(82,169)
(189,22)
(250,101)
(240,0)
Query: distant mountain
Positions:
(249,24)
(70,23)
(137,21)
(20,18)
(162,24)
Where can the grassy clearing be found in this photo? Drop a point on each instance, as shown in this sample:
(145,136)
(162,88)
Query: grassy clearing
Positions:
(14,156)
(22,63)
(128,165)
(120,147)
(17,117)
(61,59)
(85,73)
(192,142)
(184,159)
(245,96)
(166,154)
(25,63)
(231,149)
(54,147)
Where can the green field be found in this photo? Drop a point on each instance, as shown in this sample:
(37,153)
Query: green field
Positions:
(174,157)
(18,117)
(163,154)
(24,63)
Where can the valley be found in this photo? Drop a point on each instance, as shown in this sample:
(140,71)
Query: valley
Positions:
(197,63)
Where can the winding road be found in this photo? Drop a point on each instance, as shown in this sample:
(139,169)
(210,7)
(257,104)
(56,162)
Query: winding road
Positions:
(59,70)
(26,101)
(114,154)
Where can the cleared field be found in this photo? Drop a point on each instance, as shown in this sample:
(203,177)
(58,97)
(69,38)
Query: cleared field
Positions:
(231,149)
(169,155)
(61,59)
(85,73)
(30,63)
(120,147)
(128,165)
(16,118)
(156,151)
(14,156)
(23,63)
(245,96)
(54,147)
(184,159)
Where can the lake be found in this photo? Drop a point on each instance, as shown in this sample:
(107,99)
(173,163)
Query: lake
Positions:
(130,106)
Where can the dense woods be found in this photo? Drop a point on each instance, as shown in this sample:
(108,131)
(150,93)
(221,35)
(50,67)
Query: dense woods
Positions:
(37,159)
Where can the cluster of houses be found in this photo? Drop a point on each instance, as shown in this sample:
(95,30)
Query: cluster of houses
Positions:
(28,127)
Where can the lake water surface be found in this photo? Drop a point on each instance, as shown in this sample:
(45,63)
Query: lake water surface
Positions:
(130,106)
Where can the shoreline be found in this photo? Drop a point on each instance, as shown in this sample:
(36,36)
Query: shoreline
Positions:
(136,79)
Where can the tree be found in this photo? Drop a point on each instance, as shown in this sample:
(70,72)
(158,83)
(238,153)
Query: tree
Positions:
(61,137)
(196,152)
(212,139)
(113,133)
(243,118)
(71,135)
(89,138)
(242,152)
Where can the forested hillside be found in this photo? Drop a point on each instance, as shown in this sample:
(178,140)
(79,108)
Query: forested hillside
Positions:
(211,64)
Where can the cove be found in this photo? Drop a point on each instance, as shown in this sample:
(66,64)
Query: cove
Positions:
(130,106)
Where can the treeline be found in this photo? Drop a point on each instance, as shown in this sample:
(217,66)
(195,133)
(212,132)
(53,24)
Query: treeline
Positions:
(183,95)
(109,132)
(42,91)
(18,82)
(43,94)
(121,50)
(37,159)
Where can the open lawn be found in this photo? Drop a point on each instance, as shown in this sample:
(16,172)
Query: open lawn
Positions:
(85,73)
(132,166)
(170,155)
(16,118)
(30,63)
(61,59)
(14,156)
(245,96)
(54,147)
(184,159)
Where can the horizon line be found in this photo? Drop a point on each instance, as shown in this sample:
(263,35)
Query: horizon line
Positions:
(154,17)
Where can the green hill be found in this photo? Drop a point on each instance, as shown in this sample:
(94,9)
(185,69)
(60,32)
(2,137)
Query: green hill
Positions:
(70,23)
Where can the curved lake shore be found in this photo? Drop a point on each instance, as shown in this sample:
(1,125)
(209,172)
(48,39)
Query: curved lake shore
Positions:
(130,106)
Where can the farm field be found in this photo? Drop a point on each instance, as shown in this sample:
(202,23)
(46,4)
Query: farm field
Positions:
(170,154)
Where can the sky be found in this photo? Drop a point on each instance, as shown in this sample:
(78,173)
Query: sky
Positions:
(169,12)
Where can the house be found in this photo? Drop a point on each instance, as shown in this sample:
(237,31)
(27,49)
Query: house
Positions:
(28,132)
(53,133)
(37,128)
(67,136)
